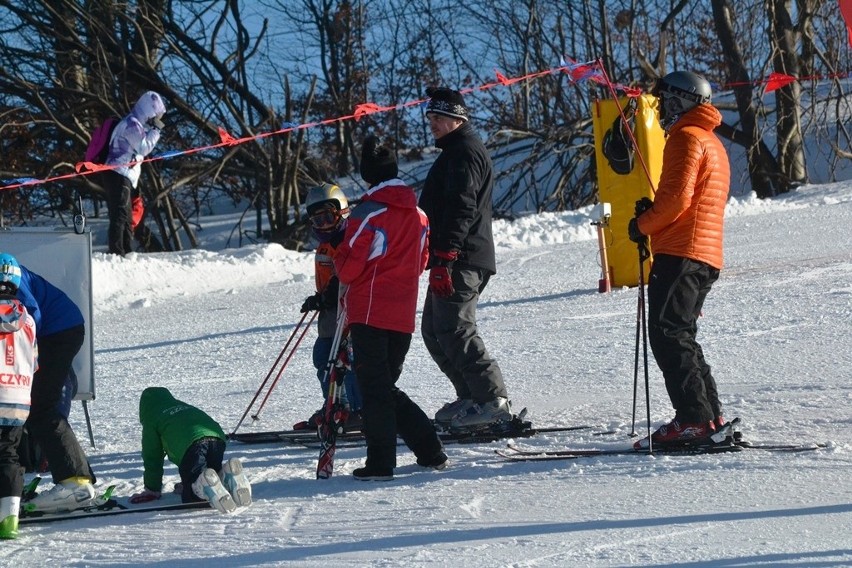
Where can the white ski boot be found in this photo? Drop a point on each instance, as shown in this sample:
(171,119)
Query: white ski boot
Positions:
(9,509)
(208,486)
(67,495)
(236,482)
(485,414)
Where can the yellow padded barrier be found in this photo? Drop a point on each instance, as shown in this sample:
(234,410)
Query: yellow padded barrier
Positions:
(622,191)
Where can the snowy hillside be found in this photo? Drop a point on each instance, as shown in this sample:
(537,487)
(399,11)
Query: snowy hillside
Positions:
(777,329)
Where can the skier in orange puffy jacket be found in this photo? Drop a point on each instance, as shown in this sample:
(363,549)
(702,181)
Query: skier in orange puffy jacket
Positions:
(685,223)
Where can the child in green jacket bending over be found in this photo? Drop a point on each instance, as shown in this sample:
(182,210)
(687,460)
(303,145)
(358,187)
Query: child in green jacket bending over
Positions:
(194,442)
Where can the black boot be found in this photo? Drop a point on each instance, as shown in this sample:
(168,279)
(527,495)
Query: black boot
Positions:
(438,461)
(368,473)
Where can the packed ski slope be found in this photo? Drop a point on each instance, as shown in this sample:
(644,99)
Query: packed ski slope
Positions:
(777,330)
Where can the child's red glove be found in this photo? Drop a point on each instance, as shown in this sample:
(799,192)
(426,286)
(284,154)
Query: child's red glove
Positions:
(145,496)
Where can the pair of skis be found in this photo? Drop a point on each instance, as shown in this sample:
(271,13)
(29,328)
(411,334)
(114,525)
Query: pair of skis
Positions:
(104,504)
(336,413)
(724,441)
(516,453)
(309,438)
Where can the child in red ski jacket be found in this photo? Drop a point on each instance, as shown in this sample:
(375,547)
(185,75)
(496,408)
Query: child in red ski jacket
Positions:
(383,253)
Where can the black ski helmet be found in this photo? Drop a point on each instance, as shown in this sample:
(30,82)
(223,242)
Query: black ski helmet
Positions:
(679,92)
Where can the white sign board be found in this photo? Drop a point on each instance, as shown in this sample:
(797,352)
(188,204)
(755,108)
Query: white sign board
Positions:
(63,258)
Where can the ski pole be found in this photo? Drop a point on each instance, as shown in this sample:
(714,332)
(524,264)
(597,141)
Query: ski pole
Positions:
(269,374)
(636,359)
(256,415)
(644,254)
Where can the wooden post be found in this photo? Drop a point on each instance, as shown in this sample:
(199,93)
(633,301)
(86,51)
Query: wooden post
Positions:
(604,212)
(604,283)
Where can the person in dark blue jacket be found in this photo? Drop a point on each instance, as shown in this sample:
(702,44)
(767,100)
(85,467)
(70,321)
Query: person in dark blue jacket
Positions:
(60,331)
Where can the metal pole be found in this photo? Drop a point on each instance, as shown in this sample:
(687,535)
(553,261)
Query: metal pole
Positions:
(271,370)
(89,423)
(256,415)
(636,359)
(644,254)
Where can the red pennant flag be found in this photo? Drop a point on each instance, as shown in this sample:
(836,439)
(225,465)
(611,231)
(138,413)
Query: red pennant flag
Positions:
(846,12)
(580,72)
(364,109)
(778,80)
(91,166)
(225,137)
(584,71)
(505,81)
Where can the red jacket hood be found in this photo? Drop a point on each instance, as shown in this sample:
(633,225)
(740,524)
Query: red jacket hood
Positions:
(393,192)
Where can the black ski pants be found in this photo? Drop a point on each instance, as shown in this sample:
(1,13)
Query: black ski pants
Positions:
(46,424)
(452,338)
(204,453)
(119,191)
(11,472)
(677,289)
(387,411)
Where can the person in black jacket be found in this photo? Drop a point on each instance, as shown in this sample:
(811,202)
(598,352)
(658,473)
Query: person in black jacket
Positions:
(457,199)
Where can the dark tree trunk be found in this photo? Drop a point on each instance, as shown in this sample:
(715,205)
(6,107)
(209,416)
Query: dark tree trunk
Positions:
(761,164)
(783,38)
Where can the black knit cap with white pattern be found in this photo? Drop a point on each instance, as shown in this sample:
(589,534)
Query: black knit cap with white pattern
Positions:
(447,102)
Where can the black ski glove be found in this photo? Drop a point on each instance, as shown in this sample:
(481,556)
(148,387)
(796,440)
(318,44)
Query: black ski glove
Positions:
(634,233)
(312,303)
(642,205)
(325,300)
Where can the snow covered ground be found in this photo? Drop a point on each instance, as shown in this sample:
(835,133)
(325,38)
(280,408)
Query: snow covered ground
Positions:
(777,330)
